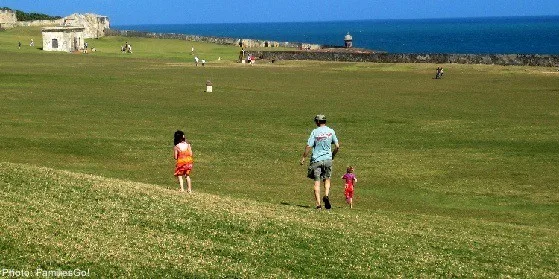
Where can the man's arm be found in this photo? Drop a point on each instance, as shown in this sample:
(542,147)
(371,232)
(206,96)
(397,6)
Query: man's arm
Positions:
(305,154)
(336,148)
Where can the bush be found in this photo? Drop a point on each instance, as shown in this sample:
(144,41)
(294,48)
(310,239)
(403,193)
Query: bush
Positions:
(21,16)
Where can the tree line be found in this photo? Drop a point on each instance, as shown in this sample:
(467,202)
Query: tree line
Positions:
(23,16)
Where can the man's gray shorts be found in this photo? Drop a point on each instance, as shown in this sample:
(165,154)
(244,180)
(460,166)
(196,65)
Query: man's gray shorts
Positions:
(320,170)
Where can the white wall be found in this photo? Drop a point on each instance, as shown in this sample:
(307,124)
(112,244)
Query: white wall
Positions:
(68,40)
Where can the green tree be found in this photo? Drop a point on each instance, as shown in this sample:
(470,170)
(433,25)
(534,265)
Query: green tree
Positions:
(23,16)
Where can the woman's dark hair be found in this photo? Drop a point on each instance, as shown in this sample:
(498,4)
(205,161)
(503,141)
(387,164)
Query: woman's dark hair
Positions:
(179,136)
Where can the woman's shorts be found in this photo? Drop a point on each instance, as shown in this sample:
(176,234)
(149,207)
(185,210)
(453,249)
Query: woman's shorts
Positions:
(320,170)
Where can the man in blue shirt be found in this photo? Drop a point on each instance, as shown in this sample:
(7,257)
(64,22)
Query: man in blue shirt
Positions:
(320,168)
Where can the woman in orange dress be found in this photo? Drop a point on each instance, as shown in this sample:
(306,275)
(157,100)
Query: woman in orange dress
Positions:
(183,156)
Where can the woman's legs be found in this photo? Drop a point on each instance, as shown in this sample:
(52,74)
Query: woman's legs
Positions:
(181,182)
(188,184)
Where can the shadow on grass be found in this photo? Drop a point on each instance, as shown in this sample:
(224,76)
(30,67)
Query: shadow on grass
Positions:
(299,205)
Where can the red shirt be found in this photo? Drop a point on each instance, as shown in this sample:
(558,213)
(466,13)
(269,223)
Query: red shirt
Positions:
(349,178)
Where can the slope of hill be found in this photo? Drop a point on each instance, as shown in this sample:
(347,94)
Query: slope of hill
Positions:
(457,177)
(59,220)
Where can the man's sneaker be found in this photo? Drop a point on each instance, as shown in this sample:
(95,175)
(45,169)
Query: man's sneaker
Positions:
(318,207)
(326,201)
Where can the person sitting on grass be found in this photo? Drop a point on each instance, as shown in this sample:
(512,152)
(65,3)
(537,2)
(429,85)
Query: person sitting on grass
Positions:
(440,73)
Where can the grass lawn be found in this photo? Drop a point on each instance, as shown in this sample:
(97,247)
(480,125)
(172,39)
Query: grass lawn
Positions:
(457,177)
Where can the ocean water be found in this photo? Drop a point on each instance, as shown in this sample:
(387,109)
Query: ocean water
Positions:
(499,35)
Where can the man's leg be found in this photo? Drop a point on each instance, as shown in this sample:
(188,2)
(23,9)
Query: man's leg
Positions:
(326,199)
(317,192)
(327,187)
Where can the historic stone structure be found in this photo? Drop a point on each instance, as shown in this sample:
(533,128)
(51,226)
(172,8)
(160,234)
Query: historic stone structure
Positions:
(71,33)
(94,25)
(348,41)
(244,43)
(61,38)
(7,18)
(376,57)
(324,53)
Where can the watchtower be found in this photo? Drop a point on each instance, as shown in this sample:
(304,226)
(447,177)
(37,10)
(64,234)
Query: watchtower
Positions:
(348,41)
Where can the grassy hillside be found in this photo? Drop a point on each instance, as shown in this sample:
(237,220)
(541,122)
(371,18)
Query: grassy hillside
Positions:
(62,220)
(457,177)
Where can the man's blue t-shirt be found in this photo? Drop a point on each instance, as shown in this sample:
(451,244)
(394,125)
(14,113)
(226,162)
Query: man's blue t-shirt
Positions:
(321,141)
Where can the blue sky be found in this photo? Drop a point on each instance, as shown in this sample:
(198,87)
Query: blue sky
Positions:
(122,12)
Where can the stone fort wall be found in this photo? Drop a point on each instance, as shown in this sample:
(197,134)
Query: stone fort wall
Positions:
(490,59)
(95,25)
(311,52)
(247,43)
(46,22)
(7,17)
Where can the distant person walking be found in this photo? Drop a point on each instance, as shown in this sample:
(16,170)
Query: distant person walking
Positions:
(350,180)
(196,60)
(18,45)
(183,155)
(32,43)
(320,168)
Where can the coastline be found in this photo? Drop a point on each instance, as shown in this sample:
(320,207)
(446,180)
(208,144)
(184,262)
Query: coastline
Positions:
(304,51)
(249,43)
(488,35)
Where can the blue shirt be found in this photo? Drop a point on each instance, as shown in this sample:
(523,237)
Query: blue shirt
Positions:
(321,141)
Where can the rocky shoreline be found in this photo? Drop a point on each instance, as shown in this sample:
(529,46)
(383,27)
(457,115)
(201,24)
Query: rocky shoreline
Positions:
(304,51)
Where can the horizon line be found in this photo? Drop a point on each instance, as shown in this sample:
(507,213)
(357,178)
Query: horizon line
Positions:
(348,20)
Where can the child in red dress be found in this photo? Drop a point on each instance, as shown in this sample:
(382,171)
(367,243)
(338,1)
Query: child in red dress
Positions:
(350,181)
(183,155)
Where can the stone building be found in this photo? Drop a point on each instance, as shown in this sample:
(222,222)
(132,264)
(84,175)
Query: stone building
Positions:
(94,25)
(74,29)
(7,18)
(65,38)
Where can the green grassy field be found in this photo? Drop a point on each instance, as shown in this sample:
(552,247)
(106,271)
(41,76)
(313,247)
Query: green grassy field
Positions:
(457,177)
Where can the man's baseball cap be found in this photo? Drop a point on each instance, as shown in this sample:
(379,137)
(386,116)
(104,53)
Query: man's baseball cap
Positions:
(320,117)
